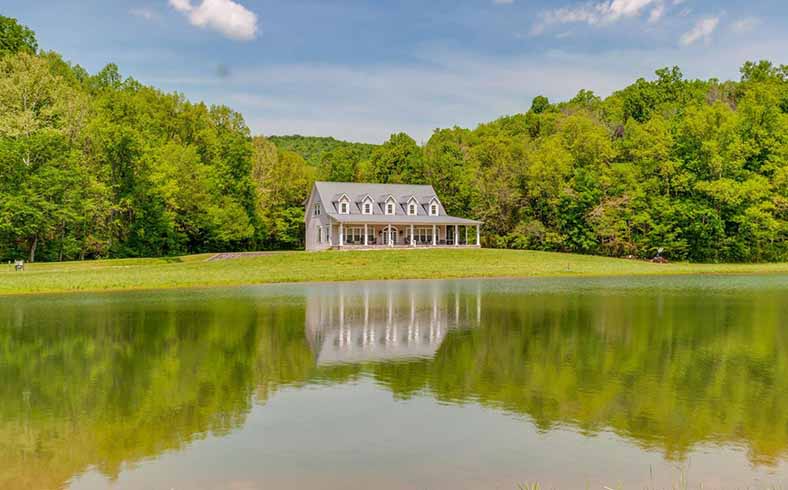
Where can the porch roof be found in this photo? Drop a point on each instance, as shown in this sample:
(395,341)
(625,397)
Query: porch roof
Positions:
(376,219)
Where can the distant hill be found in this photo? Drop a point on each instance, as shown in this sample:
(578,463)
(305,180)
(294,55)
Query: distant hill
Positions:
(312,148)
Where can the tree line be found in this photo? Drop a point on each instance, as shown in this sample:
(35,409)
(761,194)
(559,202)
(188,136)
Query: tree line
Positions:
(595,362)
(96,166)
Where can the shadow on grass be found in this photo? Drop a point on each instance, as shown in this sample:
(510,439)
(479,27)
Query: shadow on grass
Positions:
(172,260)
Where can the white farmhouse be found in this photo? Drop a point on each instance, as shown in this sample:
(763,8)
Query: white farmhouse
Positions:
(342,215)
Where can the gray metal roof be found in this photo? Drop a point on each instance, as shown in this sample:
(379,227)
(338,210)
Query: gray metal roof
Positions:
(401,219)
(329,194)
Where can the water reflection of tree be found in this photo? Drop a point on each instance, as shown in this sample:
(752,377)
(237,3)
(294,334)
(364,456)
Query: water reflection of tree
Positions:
(126,382)
(668,372)
(701,370)
(118,385)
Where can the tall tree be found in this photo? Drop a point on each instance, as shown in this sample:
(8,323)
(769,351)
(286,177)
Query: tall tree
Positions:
(15,38)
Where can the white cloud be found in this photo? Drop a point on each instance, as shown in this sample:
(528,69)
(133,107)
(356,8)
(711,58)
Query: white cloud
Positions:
(604,12)
(443,87)
(226,16)
(656,13)
(627,8)
(144,13)
(702,30)
(745,25)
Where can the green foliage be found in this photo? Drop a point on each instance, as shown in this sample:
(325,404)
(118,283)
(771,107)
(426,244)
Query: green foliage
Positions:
(314,149)
(102,166)
(540,104)
(399,160)
(98,166)
(283,181)
(695,167)
(15,38)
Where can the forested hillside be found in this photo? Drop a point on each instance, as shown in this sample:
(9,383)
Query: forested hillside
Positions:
(699,168)
(317,149)
(103,166)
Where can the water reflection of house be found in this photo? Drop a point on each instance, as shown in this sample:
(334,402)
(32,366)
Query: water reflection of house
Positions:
(370,322)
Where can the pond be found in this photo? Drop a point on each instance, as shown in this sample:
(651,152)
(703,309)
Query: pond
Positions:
(479,384)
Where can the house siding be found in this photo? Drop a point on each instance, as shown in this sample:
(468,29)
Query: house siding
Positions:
(314,223)
(328,195)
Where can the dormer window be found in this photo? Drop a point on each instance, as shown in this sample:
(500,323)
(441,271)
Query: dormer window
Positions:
(434,208)
(412,207)
(366,206)
(390,206)
(344,205)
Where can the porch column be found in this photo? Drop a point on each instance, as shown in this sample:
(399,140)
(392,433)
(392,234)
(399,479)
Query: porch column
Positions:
(341,234)
(434,229)
(329,234)
(478,237)
(456,235)
(366,235)
(412,238)
(388,236)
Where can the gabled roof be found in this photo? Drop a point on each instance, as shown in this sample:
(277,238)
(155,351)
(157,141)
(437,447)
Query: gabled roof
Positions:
(402,219)
(329,193)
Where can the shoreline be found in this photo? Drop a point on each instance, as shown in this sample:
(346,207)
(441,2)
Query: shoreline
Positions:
(197,272)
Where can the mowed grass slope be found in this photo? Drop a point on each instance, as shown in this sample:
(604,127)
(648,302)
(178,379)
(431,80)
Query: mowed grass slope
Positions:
(197,271)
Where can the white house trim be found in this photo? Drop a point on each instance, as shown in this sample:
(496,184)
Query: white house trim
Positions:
(356,215)
(412,206)
(436,204)
(367,205)
(390,206)
(343,204)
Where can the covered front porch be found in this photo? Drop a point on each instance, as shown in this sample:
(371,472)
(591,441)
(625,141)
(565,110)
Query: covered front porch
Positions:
(404,235)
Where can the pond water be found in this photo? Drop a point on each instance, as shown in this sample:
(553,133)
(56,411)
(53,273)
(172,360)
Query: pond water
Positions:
(482,384)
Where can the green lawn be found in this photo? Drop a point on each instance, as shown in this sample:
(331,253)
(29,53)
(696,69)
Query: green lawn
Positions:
(196,271)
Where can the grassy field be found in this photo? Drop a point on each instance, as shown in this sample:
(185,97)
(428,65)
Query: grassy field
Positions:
(197,271)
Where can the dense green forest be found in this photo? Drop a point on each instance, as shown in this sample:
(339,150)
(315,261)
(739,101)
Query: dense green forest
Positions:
(322,150)
(104,166)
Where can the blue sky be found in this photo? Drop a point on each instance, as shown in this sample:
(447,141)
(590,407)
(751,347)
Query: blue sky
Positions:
(361,70)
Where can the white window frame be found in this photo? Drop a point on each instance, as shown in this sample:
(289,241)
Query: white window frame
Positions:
(390,207)
(423,234)
(435,209)
(366,206)
(413,209)
(355,234)
(344,206)
(316,210)
(319,234)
